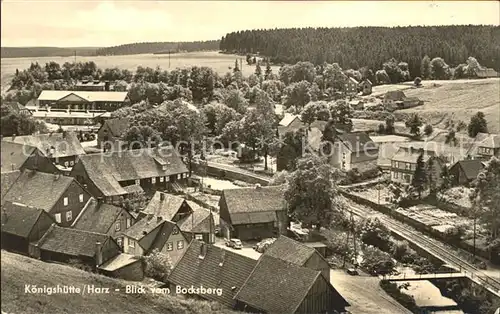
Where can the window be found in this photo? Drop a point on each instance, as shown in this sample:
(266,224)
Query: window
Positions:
(175,230)
(58,218)
(65,201)
(180,244)
(167,179)
(170,246)
(198,237)
(162,179)
(71,163)
(119,241)
(129,223)
(179,176)
(69,215)
(153,180)
(131,243)
(407,166)
(80,197)
(66,164)
(137,182)
(118,226)
(395,175)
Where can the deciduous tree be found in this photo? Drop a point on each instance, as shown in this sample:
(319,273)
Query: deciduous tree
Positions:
(477,125)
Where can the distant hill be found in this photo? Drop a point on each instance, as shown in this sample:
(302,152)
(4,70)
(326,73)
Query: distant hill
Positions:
(159,47)
(31,52)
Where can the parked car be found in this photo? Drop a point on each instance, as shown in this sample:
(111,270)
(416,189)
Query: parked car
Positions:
(262,246)
(352,272)
(234,243)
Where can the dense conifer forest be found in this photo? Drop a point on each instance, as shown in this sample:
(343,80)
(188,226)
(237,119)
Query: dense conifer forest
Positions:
(159,47)
(370,46)
(32,52)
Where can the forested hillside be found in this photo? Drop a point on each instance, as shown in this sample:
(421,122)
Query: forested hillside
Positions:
(31,52)
(159,47)
(371,46)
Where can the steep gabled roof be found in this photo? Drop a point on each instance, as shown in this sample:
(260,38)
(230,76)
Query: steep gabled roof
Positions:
(199,221)
(353,80)
(64,144)
(288,118)
(219,268)
(143,227)
(403,155)
(276,286)
(492,141)
(14,155)
(166,208)
(72,242)
(106,170)
(18,219)
(117,126)
(357,142)
(290,251)
(255,204)
(38,189)
(471,168)
(7,181)
(97,217)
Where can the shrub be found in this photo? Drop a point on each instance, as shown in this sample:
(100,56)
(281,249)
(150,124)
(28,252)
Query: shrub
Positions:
(404,299)
(157,265)
(455,233)
(381,128)
(377,262)
(374,232)
(428,130)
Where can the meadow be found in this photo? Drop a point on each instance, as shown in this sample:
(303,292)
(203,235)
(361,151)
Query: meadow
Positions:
(221,63)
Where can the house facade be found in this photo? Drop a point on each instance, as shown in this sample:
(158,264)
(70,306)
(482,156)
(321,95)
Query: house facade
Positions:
(489,147)
(253,213)
(366,87)
(110,133)
(63,198)
(22,225)
(404,164)
(121,174)
(465,171)
(351,86)
(354,150)
(82,100)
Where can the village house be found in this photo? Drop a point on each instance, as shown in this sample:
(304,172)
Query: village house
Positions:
(85,119)
(114,175)
(16,156)
(487,73)
(92,85)
(61,148)
(300,254)
(104,218)
(193,220)
(111,132)
(356,104)
(289,123)
(397,99)
(267,285)
(366,87)
(67,245)
(21,225)
(82,100)
(351,86)
(447,153)
(404,164)
(354,150)
(152,233)
(465,171)
(124,266)
(63,198)
(489,147)
(253,213)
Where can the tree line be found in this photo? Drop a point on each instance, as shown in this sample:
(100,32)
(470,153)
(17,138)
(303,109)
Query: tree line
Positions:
(158,47)
(370,46)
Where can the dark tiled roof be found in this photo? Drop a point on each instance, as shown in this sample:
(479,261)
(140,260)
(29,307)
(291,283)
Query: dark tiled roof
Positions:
(38,189)
(166,208)
(143,227)
(72,242)
(65,144)
(106,170)
(163,234)
(471,167)
(14,155)
(191,270)
(18,219)
(290,251)
(276,286)
(198,221)
(254,205)
(357,141)
(117,126)
(7,181)
(98,217)
(395,95)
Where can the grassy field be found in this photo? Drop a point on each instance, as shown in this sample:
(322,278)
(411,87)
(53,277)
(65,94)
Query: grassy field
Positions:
(17,271)
(457,100)
(221,63)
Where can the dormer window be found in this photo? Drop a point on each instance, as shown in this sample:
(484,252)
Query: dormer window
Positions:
(175,230)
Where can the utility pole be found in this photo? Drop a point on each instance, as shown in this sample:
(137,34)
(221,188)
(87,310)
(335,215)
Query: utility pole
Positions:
(474,237)
(75,56)
(354,239)
(169,59)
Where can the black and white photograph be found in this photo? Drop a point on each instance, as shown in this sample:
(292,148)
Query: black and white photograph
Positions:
(267,157)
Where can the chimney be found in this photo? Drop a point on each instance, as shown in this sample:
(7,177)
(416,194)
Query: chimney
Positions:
(411,149)
(98,253)
(13,136)
(203,250)
(162,196)
(158,219)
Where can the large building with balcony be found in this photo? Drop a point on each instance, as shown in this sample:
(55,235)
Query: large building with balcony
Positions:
(82,100)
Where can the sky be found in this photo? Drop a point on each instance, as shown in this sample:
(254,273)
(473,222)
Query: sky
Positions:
(72,23)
